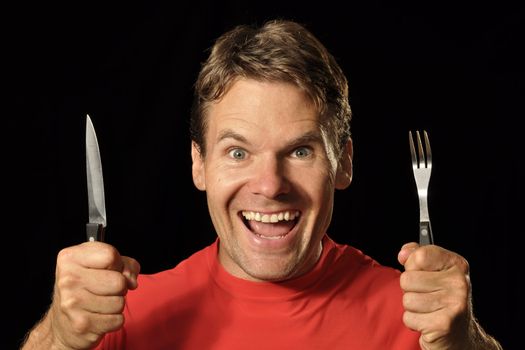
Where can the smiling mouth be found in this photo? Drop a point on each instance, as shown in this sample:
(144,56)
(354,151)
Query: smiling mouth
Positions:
(272,226)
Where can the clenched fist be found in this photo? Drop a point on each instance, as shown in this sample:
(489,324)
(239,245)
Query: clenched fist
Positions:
(91,282)
(437,299)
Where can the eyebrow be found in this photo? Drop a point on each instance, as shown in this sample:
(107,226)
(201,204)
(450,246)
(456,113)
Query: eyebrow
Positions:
(309,137)
(230,134)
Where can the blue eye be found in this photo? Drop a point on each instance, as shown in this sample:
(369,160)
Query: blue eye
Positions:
(302,152)
(237,153)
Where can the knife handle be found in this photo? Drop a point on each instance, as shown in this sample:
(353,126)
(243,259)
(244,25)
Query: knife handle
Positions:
(425,233)
(95,232)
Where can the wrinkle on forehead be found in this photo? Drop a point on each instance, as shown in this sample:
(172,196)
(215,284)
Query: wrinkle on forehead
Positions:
(265,110)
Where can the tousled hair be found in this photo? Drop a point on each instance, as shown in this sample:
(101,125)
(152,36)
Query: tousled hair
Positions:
(278,51)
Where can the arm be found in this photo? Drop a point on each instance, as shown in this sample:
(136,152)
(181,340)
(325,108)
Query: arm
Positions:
(40,336)
(88,299)
(437,300)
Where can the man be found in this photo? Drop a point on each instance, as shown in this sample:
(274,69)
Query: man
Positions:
(270,145)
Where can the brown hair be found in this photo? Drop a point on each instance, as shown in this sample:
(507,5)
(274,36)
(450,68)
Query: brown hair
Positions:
(278,51)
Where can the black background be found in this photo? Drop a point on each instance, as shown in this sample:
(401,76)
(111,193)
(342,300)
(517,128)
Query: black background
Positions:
(453,69)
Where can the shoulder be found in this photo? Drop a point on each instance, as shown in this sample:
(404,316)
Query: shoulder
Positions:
(349,256)
(368,296)
(162,299)
(361,273)
(188,274)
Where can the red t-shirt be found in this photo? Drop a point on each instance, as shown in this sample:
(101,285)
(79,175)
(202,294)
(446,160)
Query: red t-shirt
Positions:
(348,301)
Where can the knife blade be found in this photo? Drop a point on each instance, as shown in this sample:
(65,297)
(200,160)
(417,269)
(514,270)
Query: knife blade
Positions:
(96,226)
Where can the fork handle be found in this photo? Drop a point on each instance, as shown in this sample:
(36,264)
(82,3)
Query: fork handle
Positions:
(425,233)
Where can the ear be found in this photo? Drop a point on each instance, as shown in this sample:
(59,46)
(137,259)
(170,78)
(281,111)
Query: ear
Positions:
(197,167)
(343,178)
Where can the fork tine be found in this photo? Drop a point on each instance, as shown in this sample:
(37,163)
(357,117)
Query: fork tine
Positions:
(420,151)
(412,150)
(422,165)
(427,148)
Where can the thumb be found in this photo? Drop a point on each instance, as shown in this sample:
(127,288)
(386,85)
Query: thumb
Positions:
(130,270)
(405,252)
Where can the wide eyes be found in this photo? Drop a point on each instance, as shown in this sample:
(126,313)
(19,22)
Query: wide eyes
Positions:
(300,152)
(237,153)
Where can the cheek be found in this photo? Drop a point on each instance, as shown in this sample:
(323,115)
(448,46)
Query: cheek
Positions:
(316,188)
(223,183)
(323,189)
(318,178)
(324,207)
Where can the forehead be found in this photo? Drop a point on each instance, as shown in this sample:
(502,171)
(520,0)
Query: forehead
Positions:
(265,107)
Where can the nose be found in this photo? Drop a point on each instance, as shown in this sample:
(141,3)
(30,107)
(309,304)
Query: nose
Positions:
(269,178)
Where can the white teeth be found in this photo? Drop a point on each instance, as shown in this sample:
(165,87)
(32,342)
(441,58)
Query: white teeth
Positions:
(271,237)
(273,218)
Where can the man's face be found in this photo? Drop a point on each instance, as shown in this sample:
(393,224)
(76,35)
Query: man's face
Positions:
(269,173)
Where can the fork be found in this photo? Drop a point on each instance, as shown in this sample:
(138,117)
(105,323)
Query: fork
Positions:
(422,167)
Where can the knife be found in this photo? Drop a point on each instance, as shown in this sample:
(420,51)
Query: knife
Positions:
(96,226)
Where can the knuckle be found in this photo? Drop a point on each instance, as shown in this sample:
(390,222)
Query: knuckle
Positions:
(421,255)
(430,337)
(108,255)
(69,303)
(117,283)
(92,338)
(64,255)
(408,320)
(80,324)
(66,281)
(115,322)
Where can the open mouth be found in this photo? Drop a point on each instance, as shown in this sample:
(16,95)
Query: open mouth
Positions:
(271,226)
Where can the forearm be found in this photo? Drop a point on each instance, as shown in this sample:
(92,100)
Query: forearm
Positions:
(41,337)
(481,340)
